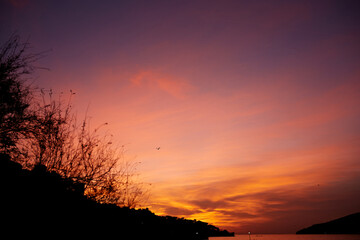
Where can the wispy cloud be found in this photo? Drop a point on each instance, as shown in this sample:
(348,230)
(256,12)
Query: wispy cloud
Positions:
(151,80)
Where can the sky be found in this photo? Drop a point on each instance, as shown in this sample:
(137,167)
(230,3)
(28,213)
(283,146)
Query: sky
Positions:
(254,104)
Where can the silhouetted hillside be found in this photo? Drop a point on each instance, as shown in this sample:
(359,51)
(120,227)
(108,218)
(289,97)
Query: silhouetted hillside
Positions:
(345,225)
(43,204)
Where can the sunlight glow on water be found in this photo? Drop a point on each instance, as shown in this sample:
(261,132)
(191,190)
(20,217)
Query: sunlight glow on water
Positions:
(288,237)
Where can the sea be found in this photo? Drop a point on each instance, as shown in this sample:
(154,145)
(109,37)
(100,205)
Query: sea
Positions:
(290,237)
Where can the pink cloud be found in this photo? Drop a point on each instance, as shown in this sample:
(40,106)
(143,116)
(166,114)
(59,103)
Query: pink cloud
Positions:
(173,86)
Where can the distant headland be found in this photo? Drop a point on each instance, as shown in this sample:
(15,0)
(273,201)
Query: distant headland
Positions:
(346,225)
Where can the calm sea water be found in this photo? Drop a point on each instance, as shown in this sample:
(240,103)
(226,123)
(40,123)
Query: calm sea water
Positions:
(289,237)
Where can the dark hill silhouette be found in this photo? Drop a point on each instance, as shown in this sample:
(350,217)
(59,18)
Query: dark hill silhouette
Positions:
(346,225)
(42,204)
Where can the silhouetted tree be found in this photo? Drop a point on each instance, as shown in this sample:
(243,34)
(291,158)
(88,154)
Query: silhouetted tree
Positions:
(39,129)
(15,93)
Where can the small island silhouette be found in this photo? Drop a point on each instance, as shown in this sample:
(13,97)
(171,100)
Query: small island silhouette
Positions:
(41,203)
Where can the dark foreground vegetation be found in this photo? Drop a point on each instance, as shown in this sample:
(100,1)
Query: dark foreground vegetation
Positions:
(43,204)
(346,225)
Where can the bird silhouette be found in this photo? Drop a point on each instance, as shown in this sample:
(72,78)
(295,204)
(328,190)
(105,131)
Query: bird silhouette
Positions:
(157,148)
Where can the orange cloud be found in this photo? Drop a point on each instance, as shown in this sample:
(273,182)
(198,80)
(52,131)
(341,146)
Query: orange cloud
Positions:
(235,197)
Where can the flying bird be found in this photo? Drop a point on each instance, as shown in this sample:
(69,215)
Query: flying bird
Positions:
(158,148)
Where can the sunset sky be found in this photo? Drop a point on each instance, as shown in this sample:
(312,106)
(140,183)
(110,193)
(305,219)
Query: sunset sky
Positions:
(254,104)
